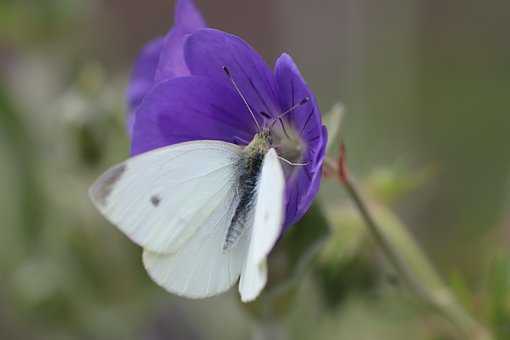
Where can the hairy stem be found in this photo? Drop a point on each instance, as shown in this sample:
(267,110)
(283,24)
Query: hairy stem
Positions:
(437,295)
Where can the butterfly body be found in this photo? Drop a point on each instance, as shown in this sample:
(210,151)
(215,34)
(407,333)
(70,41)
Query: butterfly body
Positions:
(249,166)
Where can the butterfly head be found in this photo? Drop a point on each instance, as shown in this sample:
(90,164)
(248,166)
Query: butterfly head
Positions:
(283,138)
(275,131)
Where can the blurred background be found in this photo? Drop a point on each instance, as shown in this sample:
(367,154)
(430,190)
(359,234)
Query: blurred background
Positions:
(426,87)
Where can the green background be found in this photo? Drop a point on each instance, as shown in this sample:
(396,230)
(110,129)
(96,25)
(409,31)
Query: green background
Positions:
(426,86)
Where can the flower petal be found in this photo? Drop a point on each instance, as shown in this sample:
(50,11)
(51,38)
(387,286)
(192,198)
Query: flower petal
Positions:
(302,189)
(303,185)
(142,77)
(190,108)
(187,20)
(162,58)
(208,51)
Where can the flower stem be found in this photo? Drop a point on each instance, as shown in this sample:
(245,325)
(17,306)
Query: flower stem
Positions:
(437,295)
(375,230)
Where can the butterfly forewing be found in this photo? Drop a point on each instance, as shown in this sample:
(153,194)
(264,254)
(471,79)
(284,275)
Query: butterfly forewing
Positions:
(161,198)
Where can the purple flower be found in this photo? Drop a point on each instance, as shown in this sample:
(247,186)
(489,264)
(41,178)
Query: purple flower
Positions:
(162,58)
(180,92)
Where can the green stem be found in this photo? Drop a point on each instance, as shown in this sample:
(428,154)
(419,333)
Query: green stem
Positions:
(392,256)
(439,296)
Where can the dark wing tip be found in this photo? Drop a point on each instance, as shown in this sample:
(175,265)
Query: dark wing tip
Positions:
(103,187)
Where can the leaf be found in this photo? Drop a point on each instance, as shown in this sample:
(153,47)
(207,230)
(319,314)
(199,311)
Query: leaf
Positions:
(389,184)
(333,121)
(344,265)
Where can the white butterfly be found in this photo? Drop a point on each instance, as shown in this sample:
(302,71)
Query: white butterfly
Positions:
(205,213)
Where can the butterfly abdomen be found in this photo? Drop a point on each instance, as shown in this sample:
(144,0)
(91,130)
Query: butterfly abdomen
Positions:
(249,168)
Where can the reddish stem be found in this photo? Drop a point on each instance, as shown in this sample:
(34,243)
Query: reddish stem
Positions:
(343,173)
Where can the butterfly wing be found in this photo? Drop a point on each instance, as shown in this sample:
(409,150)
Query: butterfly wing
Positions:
(159,199)
(200,268)
(267,224)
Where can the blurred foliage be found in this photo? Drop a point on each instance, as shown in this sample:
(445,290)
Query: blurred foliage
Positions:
(21,145)
(497,291)
(65,273)
(388,185)
(346,265)
(29,22)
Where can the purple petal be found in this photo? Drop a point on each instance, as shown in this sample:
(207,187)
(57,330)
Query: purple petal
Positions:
(303,186)
(302,189)
(142,77)
(190,108)
(187,20)
(188,16)
(208,51)
(162,58)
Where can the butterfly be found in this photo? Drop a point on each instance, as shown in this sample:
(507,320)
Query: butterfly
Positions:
(206,212)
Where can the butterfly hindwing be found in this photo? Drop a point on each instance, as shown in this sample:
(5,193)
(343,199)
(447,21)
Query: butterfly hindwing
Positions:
(267,223)
(201,268)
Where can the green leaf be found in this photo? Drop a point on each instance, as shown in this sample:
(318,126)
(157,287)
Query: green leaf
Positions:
(389,184)
(344,265)
(332,121)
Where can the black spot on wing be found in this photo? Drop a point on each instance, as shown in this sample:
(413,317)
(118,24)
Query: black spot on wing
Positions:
(104,186)
(155,200)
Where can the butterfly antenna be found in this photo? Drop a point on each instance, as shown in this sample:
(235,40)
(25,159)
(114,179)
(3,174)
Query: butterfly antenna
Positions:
(238,90)
(292,108)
